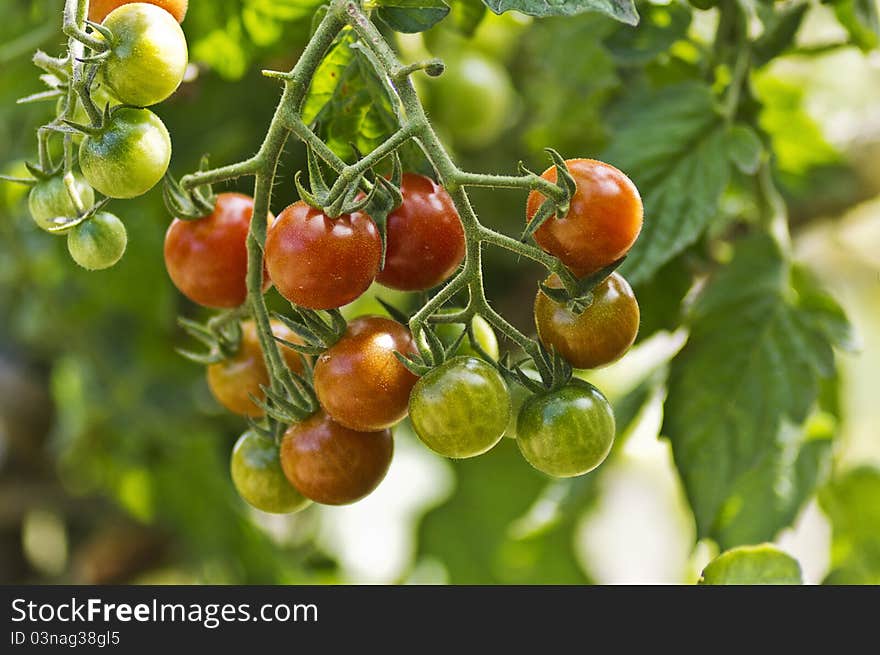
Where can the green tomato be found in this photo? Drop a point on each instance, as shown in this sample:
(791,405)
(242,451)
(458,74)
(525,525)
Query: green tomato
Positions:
(50,202)
(461,408)
(98,242)
(259,479)
(566,432)
(473,100)
(483,332)
(751,565)
(129,155)
(148,56)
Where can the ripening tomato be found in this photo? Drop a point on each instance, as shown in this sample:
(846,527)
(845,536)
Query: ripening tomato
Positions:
(566,432)
(331,464)
(601,334)
(98,9)
(320,262)
(233,381)
(424,237)
(359,382)
(98,242)
(461,408)
(259,479)
(207,258)
(603,222)
(49,200)
(148,56)
(129,154)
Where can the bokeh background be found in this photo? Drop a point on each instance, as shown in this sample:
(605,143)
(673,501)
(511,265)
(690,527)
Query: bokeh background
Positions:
(114,457)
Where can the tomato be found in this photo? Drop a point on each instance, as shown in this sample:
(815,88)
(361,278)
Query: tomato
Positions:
(98,242)
(98,9)
(148,55)
(483,332)
(474,99)
(332,464)
(359,382)
(603,222)
(128,156)
(461,408)
(566,432)
(259,479)
(49,200)
(424,237)
(233,381)
(598,336)
(319,262)
(207,258)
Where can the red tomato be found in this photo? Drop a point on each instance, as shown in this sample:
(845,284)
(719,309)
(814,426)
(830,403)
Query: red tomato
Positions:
(319,262)
(98,9)
(602,224)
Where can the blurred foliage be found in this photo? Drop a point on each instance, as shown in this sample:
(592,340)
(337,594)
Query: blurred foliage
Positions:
(749,565)
(747,411)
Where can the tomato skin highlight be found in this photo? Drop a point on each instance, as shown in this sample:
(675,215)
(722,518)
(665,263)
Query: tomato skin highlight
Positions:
(331,464)
(128,156)
(461,408)
(567,432)
(359,382)
(49,200)
(603,222)
(322,263)
(207,258)
(148,56)
(98,9)
(97,243)
(597,337)
(233,381)
(256,472)
(425,239)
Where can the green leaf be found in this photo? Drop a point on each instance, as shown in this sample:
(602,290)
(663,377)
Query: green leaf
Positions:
(852,503)
(660,298)
(470,534)
(659,28)
(622,10)
(860,19)
(412,16)
(744,148)
(467,15)
(672,144)
(753,565)
(781,24)
(739,390)
(328,76)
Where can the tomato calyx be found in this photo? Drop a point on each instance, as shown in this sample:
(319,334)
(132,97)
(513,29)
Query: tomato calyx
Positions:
(221,335)
(189,205)
(577,293)
(554,372)
(551,208)
(319,329)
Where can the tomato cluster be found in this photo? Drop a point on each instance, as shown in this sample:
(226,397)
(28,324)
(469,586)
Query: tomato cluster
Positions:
(462,404)
(128,151)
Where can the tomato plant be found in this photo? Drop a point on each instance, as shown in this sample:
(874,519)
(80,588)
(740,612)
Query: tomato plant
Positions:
(320,262)
(332,464)
(259,479)
(147,56)
(603,221)
(206,258)
(359,381)
(596,336)
(128,155)
(425,240)
(461,408)
(566,432)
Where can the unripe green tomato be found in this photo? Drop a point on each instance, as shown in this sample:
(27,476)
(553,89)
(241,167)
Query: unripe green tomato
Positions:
(258,478)
(148,56)
(473,100)
(49,200)
(461,408)
(566,432)
(98,242)
(483,332)
(129,155)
